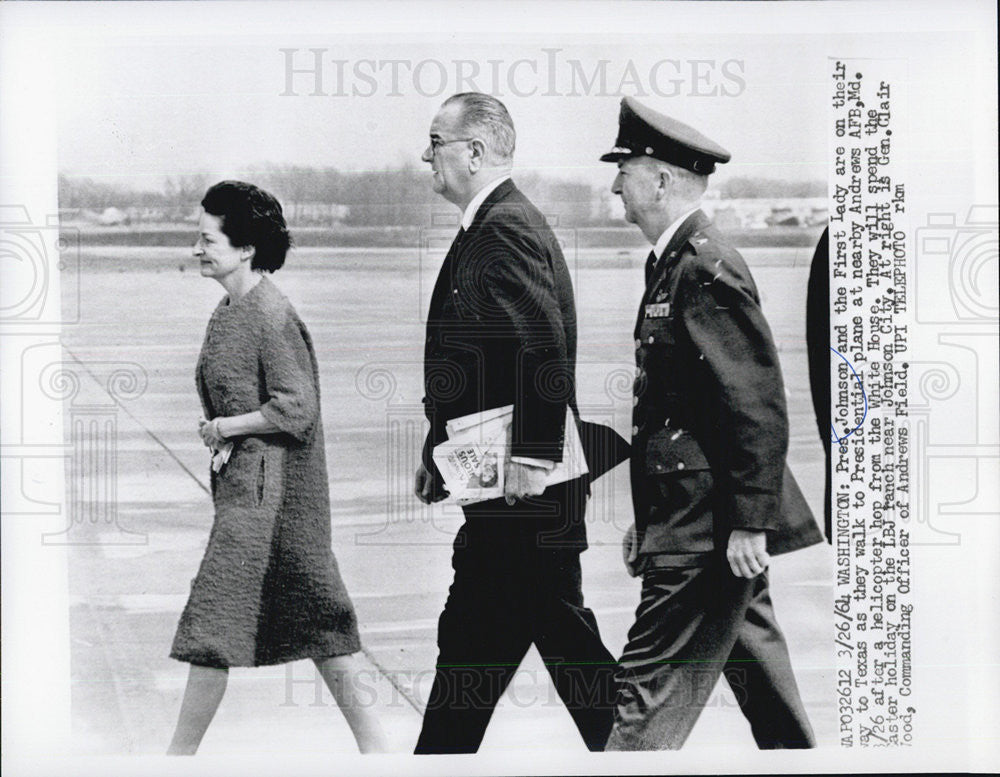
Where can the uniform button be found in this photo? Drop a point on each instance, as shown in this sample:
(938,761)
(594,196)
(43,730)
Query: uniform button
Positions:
(454,291)
(659,467)
(635,401)
(680,465)
(638,372)
(651,339)
(675,435)
(635,430)
(667,422)
(638,344)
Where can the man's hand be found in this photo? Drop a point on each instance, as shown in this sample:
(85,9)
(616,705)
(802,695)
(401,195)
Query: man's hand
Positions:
(747,552)
(521,480)
(423,487)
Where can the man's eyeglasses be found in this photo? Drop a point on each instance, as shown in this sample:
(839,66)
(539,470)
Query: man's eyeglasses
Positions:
(436,143)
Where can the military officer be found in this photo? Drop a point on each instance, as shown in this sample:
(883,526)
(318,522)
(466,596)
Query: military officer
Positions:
(711,492)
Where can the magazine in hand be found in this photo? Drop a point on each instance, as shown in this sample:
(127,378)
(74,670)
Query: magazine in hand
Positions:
(472,460)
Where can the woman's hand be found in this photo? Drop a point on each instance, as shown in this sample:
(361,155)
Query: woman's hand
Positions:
(211,433)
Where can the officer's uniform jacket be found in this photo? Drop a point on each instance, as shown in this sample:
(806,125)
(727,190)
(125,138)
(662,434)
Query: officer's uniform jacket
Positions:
(710,427)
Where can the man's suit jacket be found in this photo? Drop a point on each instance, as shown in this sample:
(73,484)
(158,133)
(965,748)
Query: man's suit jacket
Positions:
(710,427)
(502,328)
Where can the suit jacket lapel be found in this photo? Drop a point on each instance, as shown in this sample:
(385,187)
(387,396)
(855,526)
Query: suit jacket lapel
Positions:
(444,280)
(456,254)
(504,190)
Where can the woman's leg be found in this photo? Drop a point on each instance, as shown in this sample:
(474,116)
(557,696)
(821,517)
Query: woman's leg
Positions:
(205,688)
(341,674)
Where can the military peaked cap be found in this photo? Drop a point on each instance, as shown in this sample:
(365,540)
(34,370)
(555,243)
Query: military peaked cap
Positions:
(645,132)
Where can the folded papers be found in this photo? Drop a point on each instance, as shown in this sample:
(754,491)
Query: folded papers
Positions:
(472,460)
(220,456)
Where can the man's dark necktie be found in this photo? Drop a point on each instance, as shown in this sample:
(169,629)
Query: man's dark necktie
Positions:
(450,259)
(650,261)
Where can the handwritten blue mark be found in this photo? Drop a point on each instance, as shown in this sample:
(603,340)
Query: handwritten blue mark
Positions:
(864,396)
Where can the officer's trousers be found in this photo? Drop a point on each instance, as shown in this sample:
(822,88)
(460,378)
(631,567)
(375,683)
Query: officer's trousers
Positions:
(692,625)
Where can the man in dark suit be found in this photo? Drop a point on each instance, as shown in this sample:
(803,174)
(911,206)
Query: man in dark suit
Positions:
(818,348)
(502,331)
(710,489)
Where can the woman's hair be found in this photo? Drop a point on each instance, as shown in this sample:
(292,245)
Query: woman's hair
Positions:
(250,216)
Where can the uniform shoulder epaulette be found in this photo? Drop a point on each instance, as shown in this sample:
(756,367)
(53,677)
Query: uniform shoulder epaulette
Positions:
(712,246)
(704,248)
(697,240)
(710,260)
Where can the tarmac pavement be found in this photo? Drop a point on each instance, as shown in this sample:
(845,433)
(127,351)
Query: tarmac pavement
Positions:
(129,578)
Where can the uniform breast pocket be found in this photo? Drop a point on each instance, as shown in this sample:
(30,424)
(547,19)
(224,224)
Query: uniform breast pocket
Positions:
(657,332)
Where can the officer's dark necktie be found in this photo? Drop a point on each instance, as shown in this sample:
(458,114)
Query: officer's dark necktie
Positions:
(650,261)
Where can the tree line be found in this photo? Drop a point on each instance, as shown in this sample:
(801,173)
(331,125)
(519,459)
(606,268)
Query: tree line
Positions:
(400,196)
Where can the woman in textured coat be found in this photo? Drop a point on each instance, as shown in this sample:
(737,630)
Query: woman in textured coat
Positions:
(268,590)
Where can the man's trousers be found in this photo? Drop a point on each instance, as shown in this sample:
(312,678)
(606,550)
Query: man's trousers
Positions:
(692,625)
(517,583)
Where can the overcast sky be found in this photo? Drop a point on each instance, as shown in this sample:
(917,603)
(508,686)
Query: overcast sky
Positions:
(137,113)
